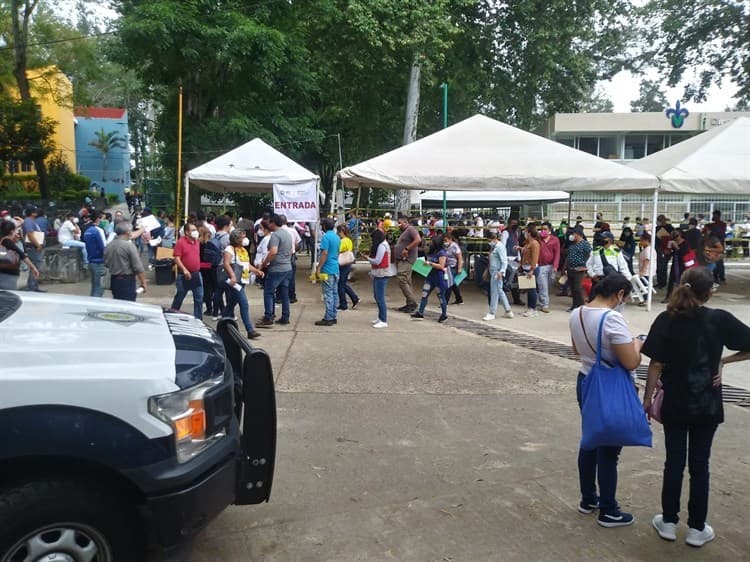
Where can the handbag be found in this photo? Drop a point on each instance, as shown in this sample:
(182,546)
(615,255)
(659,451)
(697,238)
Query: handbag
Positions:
(611,414)
(689,259)
(346,258)
(9,259)
(655,409)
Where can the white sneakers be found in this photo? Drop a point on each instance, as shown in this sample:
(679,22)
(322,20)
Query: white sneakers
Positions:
(488,317)
(699,538)
(530,313)
(508,314)
(380,324)
(668,531)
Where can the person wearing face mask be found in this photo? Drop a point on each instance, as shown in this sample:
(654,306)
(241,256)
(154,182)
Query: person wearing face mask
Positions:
(455,262)
(608,259)
(95,241)
(439,278)
(549,261)
(628,243)
(618,346)
(579,252)
(497,270)
(69,236)
(187,257)
(513,239)
(238,269)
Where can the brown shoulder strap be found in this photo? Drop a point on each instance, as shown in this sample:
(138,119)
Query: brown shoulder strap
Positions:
(583,328)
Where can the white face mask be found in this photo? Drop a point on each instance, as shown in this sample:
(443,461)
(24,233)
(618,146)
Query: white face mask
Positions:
(572,238)
(194,234)
(245,241)
(75,221)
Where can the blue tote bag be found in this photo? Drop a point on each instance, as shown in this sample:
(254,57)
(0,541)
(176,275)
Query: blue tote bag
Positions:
(611,414)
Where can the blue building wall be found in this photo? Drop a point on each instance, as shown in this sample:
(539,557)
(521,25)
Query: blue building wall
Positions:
(90,161)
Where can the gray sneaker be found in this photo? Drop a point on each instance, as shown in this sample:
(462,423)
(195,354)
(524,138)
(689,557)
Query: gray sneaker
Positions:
(667,531)
(699,538)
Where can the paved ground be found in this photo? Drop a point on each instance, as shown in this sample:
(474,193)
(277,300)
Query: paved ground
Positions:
(426,442)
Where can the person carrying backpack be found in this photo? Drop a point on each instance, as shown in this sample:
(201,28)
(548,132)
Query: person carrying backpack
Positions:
(213,254)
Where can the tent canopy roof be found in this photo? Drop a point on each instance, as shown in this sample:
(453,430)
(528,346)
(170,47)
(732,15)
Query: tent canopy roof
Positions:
(491,198)
(254,166)
(480,153)
(717,161)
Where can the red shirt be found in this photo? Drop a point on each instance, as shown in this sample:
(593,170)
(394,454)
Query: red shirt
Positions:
(549,253)
(189,251)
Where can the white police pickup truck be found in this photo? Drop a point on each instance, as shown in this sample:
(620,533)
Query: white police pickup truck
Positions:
(124,429)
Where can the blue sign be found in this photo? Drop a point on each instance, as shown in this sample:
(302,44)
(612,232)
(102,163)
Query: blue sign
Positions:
(677,115)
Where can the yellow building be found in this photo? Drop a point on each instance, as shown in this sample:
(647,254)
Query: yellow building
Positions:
(54,93)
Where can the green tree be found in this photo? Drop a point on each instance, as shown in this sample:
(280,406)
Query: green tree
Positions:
(105,143)
(651,97)
(704,41)
(596,101)
(25,136)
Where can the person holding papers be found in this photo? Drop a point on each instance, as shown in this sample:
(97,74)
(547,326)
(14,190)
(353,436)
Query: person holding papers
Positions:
(439,278)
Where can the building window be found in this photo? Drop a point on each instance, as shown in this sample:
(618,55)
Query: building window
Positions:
(589,144)
(609,148)
(655,144)
(13,166)
(26,167)
(674,139)
(567,142)
(635,147)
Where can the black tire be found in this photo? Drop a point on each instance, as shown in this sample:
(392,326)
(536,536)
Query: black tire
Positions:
(89,512)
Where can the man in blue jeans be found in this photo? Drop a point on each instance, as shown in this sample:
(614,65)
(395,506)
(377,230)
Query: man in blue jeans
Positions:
(277,266)
(187,258)
(329,265)
(95,241)
(33,246)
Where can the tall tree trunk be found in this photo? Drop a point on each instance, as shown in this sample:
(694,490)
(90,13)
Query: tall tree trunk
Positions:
(20,25)
(403,197)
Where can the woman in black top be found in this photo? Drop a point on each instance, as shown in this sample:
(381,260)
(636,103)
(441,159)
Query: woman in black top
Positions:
(685,345)
(10,272)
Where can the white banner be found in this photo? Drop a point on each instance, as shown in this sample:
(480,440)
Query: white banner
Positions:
(298,202)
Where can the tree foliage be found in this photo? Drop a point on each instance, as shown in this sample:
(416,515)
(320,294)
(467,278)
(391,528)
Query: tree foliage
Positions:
(651,97)
(25,136)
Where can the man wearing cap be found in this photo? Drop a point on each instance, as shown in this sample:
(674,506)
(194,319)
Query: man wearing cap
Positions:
(124,263)
(33,246)
(608,258)
(579,252)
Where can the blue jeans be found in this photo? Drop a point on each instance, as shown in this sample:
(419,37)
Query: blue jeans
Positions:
(271,282)
(36,257)
(429,285)
(330,289)
(697,454)
(344,287)
(96,270)
(497,293)
(292,281)
(379,285)
(239,297)
(601,464)
(531,294)
(194,284)
(78,244)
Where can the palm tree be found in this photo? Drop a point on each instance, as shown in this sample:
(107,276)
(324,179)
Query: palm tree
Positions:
(105,142)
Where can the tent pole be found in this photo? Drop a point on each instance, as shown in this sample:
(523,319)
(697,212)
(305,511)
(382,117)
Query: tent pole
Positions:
(653,251)
(187,198)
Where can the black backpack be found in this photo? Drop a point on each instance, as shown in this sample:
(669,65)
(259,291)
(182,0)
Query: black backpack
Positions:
(212,251)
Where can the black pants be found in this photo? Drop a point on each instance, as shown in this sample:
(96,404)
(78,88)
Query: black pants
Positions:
(575,278)
(218,292)
(662,267)
(694,444)
(209,286)
(455,289)
(123,287)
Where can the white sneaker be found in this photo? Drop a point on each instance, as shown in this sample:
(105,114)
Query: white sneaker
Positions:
(667,531)
(508,314)
(375,321)
(530,313)
(488,317)
(699,538)
(380,324)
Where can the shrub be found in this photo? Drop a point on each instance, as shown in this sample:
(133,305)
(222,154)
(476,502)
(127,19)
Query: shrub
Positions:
(112,198)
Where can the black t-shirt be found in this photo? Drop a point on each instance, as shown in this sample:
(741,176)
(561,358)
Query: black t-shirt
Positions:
(690,349)
(21,256)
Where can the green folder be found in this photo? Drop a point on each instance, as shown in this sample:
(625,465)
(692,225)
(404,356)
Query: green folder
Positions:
(421,267)
(460,277)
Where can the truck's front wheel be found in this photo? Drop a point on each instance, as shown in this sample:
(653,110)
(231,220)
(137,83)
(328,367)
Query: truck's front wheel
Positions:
(66,521)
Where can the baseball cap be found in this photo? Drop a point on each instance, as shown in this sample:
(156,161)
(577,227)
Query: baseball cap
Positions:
(577,230)
(607,234)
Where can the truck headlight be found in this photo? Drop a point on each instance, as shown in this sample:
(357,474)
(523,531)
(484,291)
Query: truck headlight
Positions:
(184,412)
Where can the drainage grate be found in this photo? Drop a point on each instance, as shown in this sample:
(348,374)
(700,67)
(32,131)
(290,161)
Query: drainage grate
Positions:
(732,394)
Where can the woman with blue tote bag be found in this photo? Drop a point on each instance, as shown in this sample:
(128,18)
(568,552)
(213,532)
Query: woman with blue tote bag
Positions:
(600,336)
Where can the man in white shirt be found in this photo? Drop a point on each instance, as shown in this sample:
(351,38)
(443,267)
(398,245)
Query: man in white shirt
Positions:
(69,236)
(296,240)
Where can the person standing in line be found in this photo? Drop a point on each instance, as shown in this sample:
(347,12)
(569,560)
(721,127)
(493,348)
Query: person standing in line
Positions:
(345,269)
(512,238)
(438,278)
(261,250)
(95,241)
(693,235)
(549,261)
(646,260)
(380,260)
(355,230)
(627,244)
(237,267)
(530,266)
(685,344)
(33,247)
(455,263)
(663,234)
(277,267)
(678,249)
(328,264)
(718,229)
(579,252)
(69,236)
(497,269)
(208,276)
(219,243)
(296,241)
(187,257)
(405,253)
(10,269)
(122,259)
(617,346)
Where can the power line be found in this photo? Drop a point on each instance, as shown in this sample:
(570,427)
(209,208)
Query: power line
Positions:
(55,41)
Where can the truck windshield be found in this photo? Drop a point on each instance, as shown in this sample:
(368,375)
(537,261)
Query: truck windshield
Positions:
(9,303)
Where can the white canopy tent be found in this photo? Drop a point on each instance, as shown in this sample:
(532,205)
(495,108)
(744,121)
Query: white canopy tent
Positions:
(480,153)
(489,198)
(714,162)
